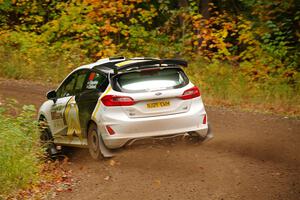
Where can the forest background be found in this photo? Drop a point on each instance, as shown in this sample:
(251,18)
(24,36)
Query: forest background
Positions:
(242,52)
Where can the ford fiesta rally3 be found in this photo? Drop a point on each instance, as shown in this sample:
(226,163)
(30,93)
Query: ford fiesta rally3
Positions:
(115,101)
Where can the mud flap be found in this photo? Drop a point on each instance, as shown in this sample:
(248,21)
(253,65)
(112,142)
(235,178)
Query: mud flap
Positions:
(106,153)
(203,138)
(209,135)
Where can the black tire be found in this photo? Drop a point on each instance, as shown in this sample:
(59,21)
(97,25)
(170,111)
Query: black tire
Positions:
(46,138)
(94,142)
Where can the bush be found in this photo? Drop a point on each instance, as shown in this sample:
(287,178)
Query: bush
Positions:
(24,56)
(247,86)
(19,150)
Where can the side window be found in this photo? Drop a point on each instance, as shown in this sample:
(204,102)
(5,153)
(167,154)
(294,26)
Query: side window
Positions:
(95,81)
(67,88)
(80,81)
(73,84)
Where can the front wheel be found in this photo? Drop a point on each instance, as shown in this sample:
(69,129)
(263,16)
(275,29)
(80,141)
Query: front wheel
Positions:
(94,142)
(46,137)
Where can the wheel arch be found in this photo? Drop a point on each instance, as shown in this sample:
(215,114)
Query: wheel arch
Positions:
(91,121)
(41,116)
(88,124)
(49,133)
(107,153)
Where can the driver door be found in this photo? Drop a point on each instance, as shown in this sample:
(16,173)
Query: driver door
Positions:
(64,112)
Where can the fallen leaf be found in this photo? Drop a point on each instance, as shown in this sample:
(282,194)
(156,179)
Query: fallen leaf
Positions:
(157,182)
(112,163)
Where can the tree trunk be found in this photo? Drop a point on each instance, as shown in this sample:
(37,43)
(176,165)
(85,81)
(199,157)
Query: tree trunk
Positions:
(204,8)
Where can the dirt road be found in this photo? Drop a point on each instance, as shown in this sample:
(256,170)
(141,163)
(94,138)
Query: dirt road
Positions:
(253,156)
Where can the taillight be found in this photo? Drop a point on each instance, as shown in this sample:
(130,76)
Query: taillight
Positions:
(204,120)
(113,100)
(190,93)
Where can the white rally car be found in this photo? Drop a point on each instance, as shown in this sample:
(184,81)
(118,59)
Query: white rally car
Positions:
(115,101)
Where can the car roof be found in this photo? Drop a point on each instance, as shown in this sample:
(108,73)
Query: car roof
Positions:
(102,64)
(115,64)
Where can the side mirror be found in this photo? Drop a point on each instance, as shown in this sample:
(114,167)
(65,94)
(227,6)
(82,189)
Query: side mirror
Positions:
(51,95)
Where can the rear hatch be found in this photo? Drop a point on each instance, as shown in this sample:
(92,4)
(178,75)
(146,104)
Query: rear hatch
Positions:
(154,91)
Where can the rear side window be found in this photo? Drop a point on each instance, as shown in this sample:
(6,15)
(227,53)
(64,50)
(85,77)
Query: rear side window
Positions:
(150,80)
(96,80)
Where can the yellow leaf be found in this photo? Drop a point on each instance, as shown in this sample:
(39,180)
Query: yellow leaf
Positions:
(225,33)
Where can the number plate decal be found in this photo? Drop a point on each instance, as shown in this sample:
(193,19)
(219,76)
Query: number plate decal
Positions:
(158,104)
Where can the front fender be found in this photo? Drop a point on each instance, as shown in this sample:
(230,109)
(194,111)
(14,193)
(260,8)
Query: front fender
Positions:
(45,111)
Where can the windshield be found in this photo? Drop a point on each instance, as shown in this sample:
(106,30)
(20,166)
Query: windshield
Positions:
(150,80)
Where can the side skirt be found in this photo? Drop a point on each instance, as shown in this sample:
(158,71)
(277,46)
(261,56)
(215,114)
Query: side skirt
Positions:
(74,142)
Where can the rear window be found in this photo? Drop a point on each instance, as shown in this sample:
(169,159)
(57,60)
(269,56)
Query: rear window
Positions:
(150,80)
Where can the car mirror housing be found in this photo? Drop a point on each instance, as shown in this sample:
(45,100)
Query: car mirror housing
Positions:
(51,95)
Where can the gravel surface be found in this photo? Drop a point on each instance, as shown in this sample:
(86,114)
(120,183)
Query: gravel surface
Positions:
(252,156)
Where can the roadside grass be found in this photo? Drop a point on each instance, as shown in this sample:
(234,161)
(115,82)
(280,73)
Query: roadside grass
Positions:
(19,150)
(25,172)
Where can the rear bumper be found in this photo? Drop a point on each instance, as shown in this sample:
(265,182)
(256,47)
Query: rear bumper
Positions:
(129,129)
(117,142)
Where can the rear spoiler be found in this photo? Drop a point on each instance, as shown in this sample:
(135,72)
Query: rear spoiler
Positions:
(141,63)
(146,63)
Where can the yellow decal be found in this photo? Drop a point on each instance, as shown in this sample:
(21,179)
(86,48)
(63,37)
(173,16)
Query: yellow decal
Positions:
(72,119)
(128,62)
(99,103)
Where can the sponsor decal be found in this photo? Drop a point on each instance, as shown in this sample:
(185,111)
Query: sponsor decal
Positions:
(72,119)
(92,76)
(91,84)
(128,62)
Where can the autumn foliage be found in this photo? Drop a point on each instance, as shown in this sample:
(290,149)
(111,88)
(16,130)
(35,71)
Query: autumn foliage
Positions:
(258,41)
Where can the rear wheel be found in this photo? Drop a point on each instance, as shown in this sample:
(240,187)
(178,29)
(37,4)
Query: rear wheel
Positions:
(94,142)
